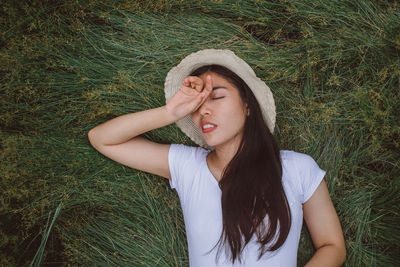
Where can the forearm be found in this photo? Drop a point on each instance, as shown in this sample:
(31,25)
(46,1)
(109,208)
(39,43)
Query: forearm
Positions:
(328,255)
(128,126)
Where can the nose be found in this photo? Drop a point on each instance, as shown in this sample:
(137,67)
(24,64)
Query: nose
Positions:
(204,109)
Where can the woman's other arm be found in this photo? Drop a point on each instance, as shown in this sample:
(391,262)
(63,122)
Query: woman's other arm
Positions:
(324,226)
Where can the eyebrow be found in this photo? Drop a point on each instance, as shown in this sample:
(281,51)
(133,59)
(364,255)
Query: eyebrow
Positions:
(218,87)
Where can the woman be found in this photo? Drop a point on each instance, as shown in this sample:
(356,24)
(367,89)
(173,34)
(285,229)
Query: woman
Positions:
(238,191)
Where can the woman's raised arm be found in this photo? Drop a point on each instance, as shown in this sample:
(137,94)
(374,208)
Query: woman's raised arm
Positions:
(119,138)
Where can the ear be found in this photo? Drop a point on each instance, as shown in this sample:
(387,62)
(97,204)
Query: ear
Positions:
(247,109)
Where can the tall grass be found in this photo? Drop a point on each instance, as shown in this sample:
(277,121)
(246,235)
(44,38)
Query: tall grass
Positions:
(334,69)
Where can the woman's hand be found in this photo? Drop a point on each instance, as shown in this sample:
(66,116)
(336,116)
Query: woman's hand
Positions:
(189,97)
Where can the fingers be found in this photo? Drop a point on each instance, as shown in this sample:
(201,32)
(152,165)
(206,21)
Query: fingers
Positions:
(199,100)
(194,82)
(209,87)
(207,90)
(190,81)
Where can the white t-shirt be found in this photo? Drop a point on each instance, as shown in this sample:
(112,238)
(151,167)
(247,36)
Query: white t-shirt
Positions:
(200,198)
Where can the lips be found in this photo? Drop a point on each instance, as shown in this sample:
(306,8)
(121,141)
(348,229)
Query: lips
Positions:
(207,127)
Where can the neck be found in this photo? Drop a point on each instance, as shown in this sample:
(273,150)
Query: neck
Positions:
(223,154)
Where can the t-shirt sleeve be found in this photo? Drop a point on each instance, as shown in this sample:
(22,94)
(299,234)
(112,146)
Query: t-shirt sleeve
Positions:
(174,161)
(181,160)
(310,175)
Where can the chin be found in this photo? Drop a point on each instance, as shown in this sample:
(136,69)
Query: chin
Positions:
(211,142)
(214,142)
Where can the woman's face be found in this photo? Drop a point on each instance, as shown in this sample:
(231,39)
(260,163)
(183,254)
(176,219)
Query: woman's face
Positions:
(222,115)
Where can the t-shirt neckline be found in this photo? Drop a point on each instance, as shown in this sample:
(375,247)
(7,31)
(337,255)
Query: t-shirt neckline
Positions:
(209,171)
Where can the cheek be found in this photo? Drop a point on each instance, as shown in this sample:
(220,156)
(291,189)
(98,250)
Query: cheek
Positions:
(233,118)
(195,118)
(235,111)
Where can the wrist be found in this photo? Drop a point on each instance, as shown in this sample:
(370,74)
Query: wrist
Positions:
(171,116)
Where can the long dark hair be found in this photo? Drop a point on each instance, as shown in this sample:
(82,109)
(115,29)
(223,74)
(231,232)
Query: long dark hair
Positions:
(251,183)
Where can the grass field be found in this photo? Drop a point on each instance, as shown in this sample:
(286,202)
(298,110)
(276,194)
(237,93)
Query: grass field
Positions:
(65,67)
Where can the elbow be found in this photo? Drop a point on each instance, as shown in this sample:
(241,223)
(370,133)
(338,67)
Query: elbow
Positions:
(95,139)
(335,252)
(92,138)
(340,253)
(341,248)
(90,135)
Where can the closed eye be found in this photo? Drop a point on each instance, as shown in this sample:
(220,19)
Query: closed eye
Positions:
(215,98)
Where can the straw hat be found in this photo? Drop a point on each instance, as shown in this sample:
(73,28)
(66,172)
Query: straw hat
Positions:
(228,59)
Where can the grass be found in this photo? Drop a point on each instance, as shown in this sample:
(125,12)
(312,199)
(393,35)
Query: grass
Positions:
(334,70)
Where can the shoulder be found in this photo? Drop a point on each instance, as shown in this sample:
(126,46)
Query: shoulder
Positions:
(301,172)
(290,156)
(182,150)
(296,161)
(180,155)
(184,147)
(183,160)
